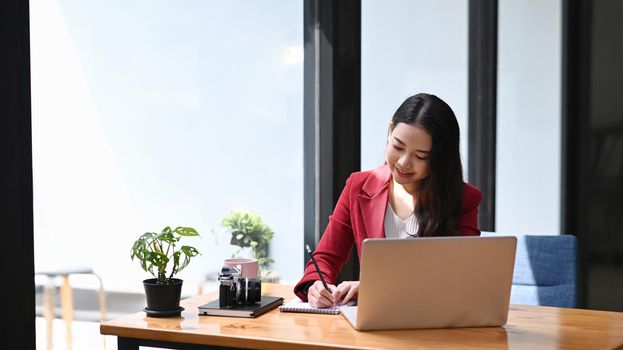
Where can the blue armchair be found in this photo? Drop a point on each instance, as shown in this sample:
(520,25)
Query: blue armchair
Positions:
(545,270)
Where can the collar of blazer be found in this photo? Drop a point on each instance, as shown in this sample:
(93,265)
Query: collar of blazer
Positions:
(377,181)
(373,201)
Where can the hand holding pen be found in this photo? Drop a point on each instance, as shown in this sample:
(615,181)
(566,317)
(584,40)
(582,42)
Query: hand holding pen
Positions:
(320,294)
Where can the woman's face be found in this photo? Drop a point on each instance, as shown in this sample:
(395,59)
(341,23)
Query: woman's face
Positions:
(407,152)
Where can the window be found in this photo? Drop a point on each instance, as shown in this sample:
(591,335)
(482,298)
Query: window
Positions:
(155,113)
(528,117)
(410,47)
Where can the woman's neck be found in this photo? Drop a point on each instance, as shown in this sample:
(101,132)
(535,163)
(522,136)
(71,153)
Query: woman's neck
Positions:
(402,200)
(412,189)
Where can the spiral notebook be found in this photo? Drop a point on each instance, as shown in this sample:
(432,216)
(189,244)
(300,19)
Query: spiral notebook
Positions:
(297,305)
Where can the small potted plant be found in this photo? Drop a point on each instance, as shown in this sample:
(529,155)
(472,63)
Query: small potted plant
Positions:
(158,254)
(248,230)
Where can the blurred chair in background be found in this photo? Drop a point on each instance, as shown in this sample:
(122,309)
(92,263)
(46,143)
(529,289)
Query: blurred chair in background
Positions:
(545,270)
(66,299)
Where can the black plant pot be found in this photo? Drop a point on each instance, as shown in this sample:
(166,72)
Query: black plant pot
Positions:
(163,300)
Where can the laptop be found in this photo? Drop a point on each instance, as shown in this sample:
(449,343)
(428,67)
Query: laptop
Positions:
(433,282)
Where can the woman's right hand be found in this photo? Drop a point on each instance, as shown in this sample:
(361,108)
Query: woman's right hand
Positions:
(318,296)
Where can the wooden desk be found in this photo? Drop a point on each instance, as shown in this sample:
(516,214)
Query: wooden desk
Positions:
(528,327)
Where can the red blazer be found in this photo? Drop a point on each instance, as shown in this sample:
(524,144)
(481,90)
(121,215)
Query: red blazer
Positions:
(360,214)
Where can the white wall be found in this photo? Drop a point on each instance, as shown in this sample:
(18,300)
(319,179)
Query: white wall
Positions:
(410,47)
(155,113)
(528,117)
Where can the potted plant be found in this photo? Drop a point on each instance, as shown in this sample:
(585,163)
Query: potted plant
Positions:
(248,230)
(158,254)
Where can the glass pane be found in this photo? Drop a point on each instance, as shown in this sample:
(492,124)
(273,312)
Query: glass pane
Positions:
(410,47)
(154,113)
(528,117)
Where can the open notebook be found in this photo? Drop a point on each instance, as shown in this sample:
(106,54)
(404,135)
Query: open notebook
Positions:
(297,305)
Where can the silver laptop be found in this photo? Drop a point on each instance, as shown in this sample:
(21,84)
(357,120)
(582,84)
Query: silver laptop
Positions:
(437,282)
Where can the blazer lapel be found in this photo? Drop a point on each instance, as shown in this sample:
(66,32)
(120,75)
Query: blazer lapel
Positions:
(373,202)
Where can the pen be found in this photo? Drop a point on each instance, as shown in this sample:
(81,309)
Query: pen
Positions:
(317,268)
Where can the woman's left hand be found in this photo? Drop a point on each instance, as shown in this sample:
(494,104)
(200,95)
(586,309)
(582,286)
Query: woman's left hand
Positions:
(346,291)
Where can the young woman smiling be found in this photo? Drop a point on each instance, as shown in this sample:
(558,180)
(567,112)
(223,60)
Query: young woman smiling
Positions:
(418,192)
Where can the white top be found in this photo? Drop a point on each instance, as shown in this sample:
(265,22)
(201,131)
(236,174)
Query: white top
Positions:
(395,227)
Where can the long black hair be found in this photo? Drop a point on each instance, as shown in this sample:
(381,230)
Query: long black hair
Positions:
(438,201)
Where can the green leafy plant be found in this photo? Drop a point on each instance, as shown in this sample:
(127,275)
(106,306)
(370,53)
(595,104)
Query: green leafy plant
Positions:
(156,252)
(249,230)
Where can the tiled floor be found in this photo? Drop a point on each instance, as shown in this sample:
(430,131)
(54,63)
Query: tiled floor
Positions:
(86,336)
(85,327)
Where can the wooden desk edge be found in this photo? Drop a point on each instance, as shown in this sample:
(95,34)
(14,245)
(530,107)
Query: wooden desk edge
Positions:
(526,315)
(175,336)
(236,341)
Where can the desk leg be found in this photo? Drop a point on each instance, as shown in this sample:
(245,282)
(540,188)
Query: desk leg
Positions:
(127,344)
(124,343)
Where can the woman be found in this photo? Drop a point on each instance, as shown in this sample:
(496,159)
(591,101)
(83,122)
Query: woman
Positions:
(419,192)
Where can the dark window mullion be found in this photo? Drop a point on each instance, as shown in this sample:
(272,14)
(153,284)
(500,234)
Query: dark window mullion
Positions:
(16,175)
(332,109)
(482,99)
